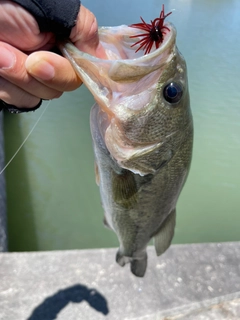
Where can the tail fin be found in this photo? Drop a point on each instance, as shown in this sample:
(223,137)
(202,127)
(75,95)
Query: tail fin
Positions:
(138,266)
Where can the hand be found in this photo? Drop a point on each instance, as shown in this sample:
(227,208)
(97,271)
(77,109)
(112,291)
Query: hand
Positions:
(27,76)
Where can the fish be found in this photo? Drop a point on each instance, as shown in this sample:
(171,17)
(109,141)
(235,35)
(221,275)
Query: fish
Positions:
(142,132)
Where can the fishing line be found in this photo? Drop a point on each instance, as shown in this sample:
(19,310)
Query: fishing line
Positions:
(24,141)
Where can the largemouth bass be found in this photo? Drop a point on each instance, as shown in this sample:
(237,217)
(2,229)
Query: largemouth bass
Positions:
(142,133)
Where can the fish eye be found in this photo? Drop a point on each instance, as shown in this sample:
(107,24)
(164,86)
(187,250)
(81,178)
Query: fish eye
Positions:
(172,92)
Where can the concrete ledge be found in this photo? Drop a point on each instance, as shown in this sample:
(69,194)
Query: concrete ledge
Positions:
(199,281)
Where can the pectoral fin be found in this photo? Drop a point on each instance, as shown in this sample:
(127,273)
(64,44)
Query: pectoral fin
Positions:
(163,238)
(124,188)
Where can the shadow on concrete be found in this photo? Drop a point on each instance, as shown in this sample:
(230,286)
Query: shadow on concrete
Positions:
(20,219)
(49,309)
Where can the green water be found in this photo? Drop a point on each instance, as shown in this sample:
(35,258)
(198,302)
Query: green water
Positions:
(53,202)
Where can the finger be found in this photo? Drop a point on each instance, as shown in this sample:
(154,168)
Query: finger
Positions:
(20,29)
(52,70)
(85,34)
(14,95)
(12,68)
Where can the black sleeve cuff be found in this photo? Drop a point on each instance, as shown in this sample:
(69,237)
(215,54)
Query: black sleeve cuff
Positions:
(57,16)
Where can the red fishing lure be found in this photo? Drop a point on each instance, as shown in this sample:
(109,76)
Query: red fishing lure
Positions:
(155,32)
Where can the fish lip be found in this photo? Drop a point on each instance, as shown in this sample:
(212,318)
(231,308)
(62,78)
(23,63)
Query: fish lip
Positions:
(168,42)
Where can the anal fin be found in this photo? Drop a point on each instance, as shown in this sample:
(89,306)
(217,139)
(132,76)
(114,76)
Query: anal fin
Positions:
(163,238)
